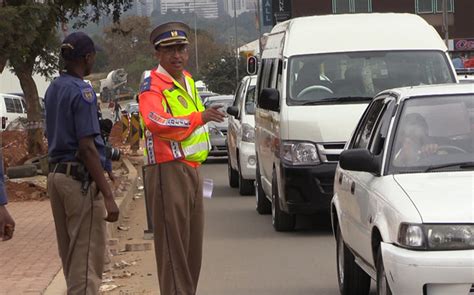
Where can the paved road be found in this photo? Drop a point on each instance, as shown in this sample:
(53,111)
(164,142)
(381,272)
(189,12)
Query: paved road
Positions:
(244,255)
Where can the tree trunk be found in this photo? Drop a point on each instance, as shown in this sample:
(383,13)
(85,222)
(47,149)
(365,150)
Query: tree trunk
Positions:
(35,126)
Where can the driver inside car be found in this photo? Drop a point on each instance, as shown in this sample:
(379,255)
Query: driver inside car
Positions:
(310,75)
(413,141)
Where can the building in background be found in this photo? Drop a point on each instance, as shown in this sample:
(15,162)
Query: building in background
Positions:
(241,5)
(144,7)
(203,8)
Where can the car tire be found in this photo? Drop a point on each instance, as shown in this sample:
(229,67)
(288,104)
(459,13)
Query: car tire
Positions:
(281,221)
(383,288)
(232,174)
(246,186)
(263,204)
(351,278)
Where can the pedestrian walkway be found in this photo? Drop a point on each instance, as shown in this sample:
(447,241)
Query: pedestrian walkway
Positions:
(30,260)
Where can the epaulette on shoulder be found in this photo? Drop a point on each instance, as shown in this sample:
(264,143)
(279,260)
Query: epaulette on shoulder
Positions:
(146,84)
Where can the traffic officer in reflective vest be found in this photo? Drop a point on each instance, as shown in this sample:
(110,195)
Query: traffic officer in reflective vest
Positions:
(77,187)
(177,142)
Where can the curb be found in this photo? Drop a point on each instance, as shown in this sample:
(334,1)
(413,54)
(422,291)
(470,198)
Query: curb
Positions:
(58,284)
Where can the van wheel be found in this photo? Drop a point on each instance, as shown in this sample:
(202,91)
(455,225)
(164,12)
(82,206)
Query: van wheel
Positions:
(351,278)
(263,204)
(281,221)
(246,187)
(232,174)
(383,288)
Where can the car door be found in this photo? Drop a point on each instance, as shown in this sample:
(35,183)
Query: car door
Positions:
(264,129)
(366,195)
(234,126)
(353,188)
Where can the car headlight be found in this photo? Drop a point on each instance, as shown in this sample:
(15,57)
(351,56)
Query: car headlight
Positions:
(248,133)
(436,236)
(299,153)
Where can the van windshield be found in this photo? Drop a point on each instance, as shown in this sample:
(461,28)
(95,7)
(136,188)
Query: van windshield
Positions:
(359,76)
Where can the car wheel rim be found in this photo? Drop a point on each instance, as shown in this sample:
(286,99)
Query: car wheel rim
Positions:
(340,260)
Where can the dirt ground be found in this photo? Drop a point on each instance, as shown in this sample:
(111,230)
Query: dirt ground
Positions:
(132,273)
(15,148)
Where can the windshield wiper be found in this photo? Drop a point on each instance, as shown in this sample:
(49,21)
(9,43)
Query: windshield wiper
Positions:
(336,99)
(462,165)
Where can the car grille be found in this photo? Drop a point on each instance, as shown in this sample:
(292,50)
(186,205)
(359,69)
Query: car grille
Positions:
(329,152)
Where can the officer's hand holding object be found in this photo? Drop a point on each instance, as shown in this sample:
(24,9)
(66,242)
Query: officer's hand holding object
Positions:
(213,114)
(112,209)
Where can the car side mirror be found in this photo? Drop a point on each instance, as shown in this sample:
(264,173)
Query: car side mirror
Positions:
(269,99)
(359,160)
(233,111)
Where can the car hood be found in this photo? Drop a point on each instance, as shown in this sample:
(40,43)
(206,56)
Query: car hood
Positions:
(324,123)
(445,197)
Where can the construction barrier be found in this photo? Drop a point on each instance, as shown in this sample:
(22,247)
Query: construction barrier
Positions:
(134,132)
(125,128)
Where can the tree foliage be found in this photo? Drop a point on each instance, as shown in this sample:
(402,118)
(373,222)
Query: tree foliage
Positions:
(29,41)
(219,74)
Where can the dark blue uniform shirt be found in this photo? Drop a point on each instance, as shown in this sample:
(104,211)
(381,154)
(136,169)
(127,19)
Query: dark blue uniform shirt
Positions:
(3,194)
(71,114)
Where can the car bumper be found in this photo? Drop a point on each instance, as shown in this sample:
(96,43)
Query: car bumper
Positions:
(218,146)
(442,272)
(248,160)
(308,189)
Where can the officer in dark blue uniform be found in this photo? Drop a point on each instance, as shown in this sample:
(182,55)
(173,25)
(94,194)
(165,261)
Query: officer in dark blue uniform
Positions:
(7,224)
(77,186)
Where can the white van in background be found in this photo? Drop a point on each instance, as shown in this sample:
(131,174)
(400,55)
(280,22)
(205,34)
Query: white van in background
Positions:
(316,78)
(11,108)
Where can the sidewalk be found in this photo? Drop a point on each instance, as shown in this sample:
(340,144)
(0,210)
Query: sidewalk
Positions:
(30,260)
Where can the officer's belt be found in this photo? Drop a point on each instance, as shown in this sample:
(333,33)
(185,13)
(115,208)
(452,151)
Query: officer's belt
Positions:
(70,169)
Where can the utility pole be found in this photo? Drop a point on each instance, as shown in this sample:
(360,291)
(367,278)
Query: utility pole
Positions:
(259,28)
(445,21)
(236,48)
(196,39)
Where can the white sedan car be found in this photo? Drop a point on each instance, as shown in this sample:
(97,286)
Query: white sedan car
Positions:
(403,209)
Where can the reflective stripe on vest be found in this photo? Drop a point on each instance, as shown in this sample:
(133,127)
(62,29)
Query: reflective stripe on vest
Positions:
(196,147)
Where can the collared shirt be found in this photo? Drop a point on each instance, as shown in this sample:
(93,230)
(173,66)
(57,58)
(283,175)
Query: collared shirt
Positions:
(3,193)
(162,71)
(71,114)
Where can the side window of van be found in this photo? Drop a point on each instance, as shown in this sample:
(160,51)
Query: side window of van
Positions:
(238,94)
(276,75)
(9,105)
(18,107)
(265,75)
(24,106)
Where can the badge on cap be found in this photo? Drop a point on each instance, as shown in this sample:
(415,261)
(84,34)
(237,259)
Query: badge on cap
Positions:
(88,95)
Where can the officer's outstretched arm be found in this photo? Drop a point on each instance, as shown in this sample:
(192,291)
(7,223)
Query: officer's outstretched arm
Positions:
(163,124)
(90,157)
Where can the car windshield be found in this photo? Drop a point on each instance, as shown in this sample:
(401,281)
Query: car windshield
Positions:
(356,76)
(434,134)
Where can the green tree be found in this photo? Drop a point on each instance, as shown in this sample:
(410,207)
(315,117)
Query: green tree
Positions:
(219,74)
(127,45)
(29,41)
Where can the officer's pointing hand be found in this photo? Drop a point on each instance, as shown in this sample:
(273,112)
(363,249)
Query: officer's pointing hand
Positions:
(213,114)
(112,210)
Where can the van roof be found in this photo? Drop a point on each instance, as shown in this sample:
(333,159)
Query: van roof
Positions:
(357,32)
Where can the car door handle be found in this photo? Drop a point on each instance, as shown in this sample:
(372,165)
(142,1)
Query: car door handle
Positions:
(353,187)
(340,178)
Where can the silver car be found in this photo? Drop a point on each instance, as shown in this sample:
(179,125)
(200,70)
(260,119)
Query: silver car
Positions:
(218,131)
